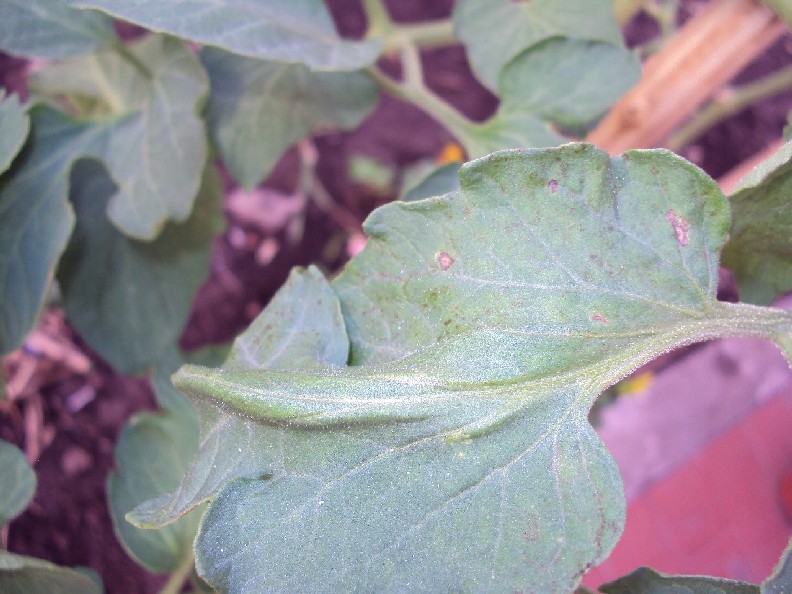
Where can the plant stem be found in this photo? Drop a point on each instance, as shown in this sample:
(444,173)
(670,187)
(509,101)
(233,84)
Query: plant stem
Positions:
(733,102)
(456,123)
(179,576)
(379,21)
(428,34)
(130,57)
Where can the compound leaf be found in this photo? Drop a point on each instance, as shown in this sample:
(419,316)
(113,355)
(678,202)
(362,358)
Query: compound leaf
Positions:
(759,251)
(154,142)
(18,482)
(104,272)
(495,31)
(14,127)
(455,453)
(258,109)
(51,29)
(298,31)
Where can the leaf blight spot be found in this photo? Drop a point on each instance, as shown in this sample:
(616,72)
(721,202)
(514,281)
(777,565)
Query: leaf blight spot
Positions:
(681,226)
(444,260)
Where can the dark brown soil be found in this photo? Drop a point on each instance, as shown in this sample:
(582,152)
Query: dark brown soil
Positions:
(68,522)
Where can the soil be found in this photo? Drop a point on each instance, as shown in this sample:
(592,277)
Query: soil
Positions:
(69,421)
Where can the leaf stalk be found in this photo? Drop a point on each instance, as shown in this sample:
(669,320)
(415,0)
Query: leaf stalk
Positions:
(730,104)
(179,575)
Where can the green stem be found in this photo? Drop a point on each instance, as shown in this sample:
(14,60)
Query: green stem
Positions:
(130,57)
(425,35)
(725,107)
(379,21)
(456,123)
(179,576)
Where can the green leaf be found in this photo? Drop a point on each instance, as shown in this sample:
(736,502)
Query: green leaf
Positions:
(14,128)
(557,81)
(760,249)
(35,222)
(258,109)
(567,81)
(455,453)
(780,581)
(436,182)
(26,575)
(17,482)
(298,31)
(495,31)
(154,147)
(50,29)
(302,327)
(130,299)
(648,581)
(152,452)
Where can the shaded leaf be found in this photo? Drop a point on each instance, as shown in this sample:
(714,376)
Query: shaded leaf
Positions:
(455,453)
(17,482)
(154,146)
(14,127)
(495,31)
(780,581)
(760,249)
(438,181)
(558,81)
(26,575)
(298,31)
(130,299)
(648,581)
(35,222)
(259,109)
(51,29)
(301,327)
(152,452)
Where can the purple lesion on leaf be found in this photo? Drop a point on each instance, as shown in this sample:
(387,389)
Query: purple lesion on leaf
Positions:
(681,226)
(600,318)
(553,185)
(444,260)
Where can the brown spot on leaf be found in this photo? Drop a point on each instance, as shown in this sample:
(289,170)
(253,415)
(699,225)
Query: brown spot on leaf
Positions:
(553,185)
(444,260)
(680,225)
(446,323)
(600,318)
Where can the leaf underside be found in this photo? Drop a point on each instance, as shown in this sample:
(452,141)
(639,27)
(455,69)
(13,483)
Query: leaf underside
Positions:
(51,29)
(759,251)
(454,452)
(298,31)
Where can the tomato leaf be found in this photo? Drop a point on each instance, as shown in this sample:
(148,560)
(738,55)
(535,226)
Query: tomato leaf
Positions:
(154,145)
(298,31)
(35,576)
(258,109)
(104,272)
(51,29)
(455,452)
(759,251)
(495,31)
(14,128)
(18,482)
(648,581)
(559,81)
